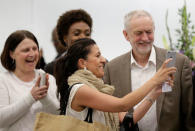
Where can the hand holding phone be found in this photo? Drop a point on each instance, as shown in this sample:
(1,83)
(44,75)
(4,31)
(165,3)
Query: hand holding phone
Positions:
(170,54)
(43,79)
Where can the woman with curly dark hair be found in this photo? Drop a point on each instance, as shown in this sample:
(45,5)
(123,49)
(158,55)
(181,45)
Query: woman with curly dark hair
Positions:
(72,25)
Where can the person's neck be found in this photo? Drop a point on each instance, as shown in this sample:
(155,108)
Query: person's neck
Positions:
(141,59)
(25,76)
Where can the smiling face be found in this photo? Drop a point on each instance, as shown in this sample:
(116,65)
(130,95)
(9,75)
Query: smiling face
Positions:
(141,35)
(77,31)
(95,62)
(26,55)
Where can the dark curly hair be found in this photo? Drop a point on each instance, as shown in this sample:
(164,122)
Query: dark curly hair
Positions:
(11,43)
(67,65)
(69,18)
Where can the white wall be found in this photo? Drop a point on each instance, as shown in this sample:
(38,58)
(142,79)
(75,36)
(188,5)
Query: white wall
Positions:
(40,16)
(14,15)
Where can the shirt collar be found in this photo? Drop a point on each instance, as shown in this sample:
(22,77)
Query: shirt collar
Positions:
(152,58)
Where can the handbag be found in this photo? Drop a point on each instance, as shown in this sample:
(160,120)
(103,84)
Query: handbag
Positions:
(128,124)
(51,122)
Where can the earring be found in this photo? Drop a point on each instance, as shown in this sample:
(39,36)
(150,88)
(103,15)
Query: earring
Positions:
(85,68)
(13,61)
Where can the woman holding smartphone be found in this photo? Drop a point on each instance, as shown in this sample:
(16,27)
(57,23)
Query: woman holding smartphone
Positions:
(21,95)
(82,68)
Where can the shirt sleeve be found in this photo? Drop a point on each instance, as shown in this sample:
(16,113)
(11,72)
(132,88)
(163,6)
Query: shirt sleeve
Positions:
(50,102)
(9,113)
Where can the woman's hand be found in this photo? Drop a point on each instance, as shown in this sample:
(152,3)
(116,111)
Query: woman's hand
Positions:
(164,74)
(156,92)
(40,92)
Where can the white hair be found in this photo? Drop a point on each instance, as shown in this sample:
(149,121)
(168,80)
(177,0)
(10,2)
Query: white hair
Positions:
(135,14)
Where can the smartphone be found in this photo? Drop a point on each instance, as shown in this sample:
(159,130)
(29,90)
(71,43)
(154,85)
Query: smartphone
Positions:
(170,54)
(43,79)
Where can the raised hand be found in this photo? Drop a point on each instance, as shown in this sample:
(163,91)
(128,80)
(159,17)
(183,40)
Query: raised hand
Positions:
(164,74)
(40,92)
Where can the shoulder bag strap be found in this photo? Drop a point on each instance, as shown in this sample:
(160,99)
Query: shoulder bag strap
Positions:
(90,110)
(89,116)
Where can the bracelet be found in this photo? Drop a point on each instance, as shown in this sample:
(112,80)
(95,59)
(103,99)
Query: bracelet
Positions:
(150,100)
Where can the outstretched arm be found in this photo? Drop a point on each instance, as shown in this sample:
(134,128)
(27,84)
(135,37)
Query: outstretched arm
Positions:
(88,97)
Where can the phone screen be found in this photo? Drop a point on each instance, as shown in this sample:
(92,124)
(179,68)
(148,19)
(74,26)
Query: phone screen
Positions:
(43,80)
(171,54)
